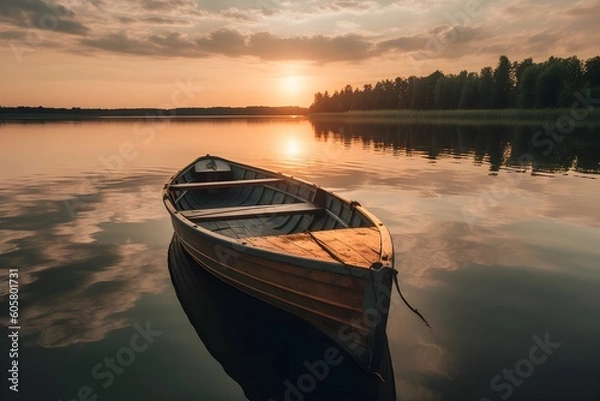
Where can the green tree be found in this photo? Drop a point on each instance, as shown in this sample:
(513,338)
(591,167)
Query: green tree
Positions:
(458,83)
(443,92)
(401,87)
(518,68)
(592,72)
(484,87)
(419,97)
(407,99)
(469,98)
(502,84)
(522,84)
(547,86)
(527,86)
(317,105)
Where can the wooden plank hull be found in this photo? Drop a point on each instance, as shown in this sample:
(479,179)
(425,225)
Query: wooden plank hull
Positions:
(253,341)
(337,277)
(349,305)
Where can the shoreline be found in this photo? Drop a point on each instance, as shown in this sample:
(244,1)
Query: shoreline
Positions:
(461,117)
(27,113)
(431,117)
(148,117)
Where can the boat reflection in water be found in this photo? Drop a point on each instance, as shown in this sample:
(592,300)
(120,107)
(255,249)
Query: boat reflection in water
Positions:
(273,355)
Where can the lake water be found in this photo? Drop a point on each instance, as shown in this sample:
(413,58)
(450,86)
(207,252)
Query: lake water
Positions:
(496,231)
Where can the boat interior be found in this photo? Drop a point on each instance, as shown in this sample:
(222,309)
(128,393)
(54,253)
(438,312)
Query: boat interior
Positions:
(241,202)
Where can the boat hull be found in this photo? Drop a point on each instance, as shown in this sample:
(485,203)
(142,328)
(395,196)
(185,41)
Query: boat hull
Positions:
(347,304)
(291,244)
(262,347)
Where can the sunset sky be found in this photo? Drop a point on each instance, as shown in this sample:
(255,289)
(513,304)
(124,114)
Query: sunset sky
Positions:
(181,53)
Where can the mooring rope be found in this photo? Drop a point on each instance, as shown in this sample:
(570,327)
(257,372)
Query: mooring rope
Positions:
(335,256)
(415,311)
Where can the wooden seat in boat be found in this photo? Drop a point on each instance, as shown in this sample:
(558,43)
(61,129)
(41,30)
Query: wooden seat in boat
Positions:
(223,184)
(237,212)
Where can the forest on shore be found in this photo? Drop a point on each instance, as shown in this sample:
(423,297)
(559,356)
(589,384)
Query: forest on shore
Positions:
(554,83)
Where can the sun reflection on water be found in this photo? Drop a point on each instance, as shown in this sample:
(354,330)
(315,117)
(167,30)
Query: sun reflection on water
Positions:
(292,147)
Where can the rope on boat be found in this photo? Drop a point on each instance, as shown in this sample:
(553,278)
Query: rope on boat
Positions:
(415,311)
(328,249)
(334,255)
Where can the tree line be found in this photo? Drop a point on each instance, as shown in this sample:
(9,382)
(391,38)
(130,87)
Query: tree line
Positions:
(77,112)
(523,85)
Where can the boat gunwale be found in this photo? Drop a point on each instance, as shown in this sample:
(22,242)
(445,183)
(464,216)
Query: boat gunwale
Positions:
(238,246)
(386,254)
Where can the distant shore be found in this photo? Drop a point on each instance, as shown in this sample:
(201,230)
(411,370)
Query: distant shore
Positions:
(76,117)
(581,117)
(44,113)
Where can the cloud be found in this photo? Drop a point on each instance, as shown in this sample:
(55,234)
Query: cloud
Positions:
(582,17)
(441,42)
(38,14)
(317,48)
(164,5)
(91,310)
(237,14)
(567,28)
(126,20)
(220,5)
(589,8)
(343,5)
(225,42)
(403,43)
(174,43)
(83,273)
(317,31)
(118,43)
(231,43)
(12,35)
(162,20)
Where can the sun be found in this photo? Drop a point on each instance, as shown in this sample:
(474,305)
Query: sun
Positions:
(292,84)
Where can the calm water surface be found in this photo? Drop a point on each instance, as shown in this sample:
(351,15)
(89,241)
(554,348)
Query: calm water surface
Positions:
(497,235)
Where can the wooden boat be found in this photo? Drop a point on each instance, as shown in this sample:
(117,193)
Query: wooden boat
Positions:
(291,244)
(262,347)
